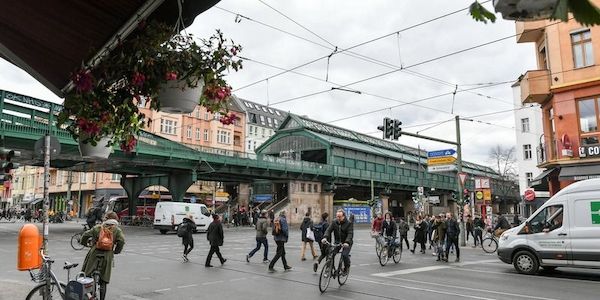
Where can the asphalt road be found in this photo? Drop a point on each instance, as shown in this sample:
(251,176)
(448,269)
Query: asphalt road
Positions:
(151,268)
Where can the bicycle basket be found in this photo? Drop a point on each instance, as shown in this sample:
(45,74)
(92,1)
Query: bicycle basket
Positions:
(40,276)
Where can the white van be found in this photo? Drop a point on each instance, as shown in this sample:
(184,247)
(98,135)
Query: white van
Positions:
(564,232)
(168,215)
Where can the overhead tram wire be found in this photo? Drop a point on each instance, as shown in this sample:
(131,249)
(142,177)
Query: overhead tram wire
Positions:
(357,45)
(351,53)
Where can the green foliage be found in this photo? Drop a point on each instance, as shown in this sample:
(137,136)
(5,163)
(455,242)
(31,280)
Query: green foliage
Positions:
(480,13)
(583,12)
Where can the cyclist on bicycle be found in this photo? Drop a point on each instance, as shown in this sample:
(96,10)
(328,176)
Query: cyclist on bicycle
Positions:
(501,225)
(343,232)
(389,229)
(102,259)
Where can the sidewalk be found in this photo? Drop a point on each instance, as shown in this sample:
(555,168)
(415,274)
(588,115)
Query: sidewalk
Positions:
(13,289)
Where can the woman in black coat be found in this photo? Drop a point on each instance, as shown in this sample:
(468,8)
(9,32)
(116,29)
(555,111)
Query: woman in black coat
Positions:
(307,223)
(214,234)
(420,234)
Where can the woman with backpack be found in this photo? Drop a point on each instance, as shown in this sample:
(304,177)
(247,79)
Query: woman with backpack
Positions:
(108,240)
(308,236)
(184,231)
(280,235)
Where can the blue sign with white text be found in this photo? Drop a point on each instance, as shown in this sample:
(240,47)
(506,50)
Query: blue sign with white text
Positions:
(362,214)
(263,197)
(441,153)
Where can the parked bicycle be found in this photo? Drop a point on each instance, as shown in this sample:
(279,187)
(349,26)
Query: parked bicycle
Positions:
(330,270)
(50,287)
(391,248)
(76,238)
(489,244)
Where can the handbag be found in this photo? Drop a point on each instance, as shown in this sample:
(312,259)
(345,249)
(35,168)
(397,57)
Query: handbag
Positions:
(310,234)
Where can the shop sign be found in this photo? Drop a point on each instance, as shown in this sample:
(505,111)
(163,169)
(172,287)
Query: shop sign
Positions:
(589,151)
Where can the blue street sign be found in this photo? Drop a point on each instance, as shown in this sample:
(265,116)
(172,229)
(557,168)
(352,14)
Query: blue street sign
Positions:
(193,199)
(441,153)
(263,198)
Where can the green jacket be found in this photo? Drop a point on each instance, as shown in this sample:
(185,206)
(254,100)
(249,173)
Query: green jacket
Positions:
(94,256)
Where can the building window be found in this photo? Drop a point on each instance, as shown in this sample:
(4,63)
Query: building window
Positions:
(528,177)
(168,126)
(262,120)
(581,42)
(223,137)
(302,187)
(254,145)
(527,151)
(83,177)
(310,188)
(198,134)
(263,132)
(270,121)
(189,132)
(217,116)
(94,177)
(59,175)
(525,125)
(316,188)
(252,118)
(115,177)
(206,135)
(588,115)
(206,116)
(249,145)
(276,122)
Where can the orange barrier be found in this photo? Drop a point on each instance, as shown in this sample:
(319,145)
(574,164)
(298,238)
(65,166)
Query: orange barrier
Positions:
(30,243)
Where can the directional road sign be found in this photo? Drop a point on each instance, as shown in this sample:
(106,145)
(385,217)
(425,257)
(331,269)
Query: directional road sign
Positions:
(441,168)
(443,160)
(441,153)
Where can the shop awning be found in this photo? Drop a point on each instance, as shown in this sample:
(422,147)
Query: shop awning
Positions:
(540,183)
(32,201)
(579,172)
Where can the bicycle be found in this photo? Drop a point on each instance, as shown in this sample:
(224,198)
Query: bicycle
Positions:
(378,242)
(58,289)
(330,271)
(76,239)
(489,244)
(390,249)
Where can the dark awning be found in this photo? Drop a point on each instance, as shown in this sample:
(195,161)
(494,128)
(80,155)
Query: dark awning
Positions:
(540,183)
(50,39)
(579,172)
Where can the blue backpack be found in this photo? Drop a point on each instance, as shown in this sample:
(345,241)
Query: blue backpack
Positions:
(319,231)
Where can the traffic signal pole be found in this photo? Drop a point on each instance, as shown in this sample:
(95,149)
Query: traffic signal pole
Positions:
(46,191)
(460,199)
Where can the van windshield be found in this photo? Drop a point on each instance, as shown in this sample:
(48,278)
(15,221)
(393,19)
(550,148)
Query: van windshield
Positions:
(549,218)
(204,210)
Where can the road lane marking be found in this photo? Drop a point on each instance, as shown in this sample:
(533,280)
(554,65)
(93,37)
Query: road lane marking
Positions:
(162,290)
(478,290)
(186,286)
(422,289)
(238,279)
(132,297)
(213,282)
(410,271)
(338,297)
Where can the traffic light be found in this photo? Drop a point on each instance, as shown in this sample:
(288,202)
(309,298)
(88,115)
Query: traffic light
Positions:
(397,129)
(6,165)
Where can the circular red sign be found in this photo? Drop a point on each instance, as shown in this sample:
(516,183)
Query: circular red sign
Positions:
(529,195)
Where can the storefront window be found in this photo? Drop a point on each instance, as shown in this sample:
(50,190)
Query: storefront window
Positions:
(590,140)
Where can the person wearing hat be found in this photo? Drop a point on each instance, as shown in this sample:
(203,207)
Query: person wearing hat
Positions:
(187,239)
(97,258)
(262,226)
(214,234)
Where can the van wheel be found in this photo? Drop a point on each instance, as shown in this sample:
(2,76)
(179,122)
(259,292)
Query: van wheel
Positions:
(549,268)
(163,231)
(525,263)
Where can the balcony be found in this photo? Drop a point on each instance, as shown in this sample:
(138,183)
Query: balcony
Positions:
(535,86)
(529,32)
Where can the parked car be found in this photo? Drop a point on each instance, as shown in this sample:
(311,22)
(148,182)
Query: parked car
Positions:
(564,232)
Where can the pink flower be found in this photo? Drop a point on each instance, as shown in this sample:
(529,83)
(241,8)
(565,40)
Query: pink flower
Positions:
(129,144)
(138,79)
(83,80)
(171,76)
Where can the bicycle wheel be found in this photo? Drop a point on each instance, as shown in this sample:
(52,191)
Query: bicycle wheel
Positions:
(383,256)
(397,254)
(39,292)
(325,278)
(341,277)
(76,241)
(489,245)
(377,246)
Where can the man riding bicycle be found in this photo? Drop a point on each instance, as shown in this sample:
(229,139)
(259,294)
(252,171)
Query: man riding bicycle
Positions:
(389,229)
(343,232)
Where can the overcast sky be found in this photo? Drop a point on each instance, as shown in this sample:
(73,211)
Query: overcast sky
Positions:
(346,23)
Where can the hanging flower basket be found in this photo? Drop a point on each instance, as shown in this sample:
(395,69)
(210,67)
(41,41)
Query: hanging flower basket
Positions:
(176,97)
(102,149)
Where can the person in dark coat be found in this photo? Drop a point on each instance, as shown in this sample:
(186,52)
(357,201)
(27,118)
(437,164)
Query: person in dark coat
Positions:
(319,232)
(307,223)
(389,229)
(420,234)
(280,235)
(187,239)
(452,232)
(214,235)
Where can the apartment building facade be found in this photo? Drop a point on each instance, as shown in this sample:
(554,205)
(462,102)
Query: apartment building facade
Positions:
(261,122)
(567,87)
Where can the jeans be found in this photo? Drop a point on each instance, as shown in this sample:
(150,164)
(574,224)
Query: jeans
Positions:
(260,241)
(188,245)
(324,249)
(478,236)
(452,241)
(346,257)
(213,250)
(279,254)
